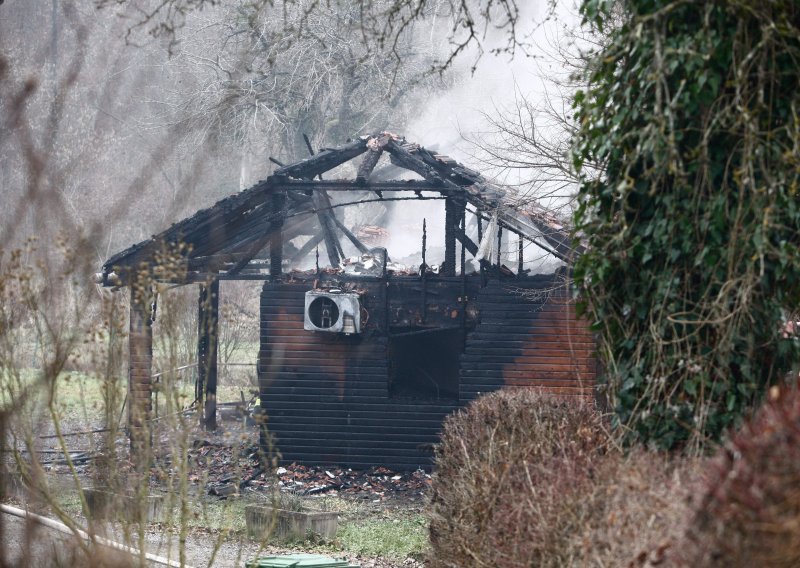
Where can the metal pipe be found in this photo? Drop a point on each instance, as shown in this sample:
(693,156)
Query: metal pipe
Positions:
(90,537)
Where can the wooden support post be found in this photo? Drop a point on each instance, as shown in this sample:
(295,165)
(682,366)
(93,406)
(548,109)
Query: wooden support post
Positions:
(424,269)
(482,263)
(276,237)
(499,245)
(207,340)
(140,387)
(452,217)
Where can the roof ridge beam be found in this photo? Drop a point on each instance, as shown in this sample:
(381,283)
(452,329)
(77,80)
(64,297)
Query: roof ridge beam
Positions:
(324,160)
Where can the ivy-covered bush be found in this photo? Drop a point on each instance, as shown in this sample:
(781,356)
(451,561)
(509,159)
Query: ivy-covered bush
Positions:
(692,111)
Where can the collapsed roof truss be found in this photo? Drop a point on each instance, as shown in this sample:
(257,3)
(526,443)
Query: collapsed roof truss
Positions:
(225,240)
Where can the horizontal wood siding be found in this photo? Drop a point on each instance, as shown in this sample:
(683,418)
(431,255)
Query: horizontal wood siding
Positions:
(528,336)
(327,395)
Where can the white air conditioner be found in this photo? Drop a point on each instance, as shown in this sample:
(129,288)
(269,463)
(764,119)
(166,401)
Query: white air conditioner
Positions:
(333,311)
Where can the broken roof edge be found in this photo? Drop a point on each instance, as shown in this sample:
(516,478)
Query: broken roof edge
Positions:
(172,235)
(442,173)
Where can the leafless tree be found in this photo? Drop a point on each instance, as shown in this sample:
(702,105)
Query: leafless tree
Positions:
(244,76)
(382,23)
(527,143)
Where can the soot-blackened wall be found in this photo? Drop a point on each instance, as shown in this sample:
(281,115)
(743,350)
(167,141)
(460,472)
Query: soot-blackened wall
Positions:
(352,400)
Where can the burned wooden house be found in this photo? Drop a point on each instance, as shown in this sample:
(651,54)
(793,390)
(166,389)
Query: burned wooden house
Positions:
(361,357)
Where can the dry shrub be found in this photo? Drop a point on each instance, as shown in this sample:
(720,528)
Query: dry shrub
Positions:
(636,509)
(523,479)
(748,513)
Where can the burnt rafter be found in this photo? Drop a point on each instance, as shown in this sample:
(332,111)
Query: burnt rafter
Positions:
(233,232)
(468,243)
(325,160)
(375,146)
(326,221)
(534,222)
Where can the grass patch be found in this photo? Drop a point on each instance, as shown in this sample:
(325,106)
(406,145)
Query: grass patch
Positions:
(79,398)
(396,538)
(69,501)
(218,515)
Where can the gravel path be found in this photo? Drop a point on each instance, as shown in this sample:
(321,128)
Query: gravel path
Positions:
(47,547)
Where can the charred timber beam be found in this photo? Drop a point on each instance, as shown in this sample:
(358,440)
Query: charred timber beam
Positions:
(214,262)
(189,230)
(351,185)
(323,205)
(272,234)
(426,331)
(375,148)
(466,241)
(484,196)
(208,228)
(276,237)
(453,213)
(257,230)
(557,240)
(401,156)
(362,248)
(140,380)
(325,160)
(312,243)
(207,342)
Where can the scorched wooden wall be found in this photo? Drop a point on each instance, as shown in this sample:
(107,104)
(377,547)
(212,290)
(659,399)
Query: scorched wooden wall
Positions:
(329,398)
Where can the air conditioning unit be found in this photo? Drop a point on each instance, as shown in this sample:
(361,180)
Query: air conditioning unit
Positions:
(333,311)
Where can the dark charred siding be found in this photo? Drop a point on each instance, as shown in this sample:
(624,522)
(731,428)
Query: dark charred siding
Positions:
(528,336)
(328,397)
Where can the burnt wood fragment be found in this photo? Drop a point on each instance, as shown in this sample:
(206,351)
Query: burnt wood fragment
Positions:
(375,148)
(362,248)
(322,204)
(468,243)
(325,160)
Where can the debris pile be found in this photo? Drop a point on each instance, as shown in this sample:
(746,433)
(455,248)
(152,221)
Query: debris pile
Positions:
(227,470)
(373,235)
(375,483)
(371,263)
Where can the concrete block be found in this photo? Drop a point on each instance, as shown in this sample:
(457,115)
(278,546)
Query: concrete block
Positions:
(279,524)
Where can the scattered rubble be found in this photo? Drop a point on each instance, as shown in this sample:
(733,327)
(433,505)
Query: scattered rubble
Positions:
(376,483)
(371,263)
(227,470)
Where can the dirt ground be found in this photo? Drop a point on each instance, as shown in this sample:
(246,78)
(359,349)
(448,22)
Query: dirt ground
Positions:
(51,548)
(218,464)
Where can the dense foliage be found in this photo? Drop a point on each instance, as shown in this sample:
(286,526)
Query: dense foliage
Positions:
(692,110)
(748,509)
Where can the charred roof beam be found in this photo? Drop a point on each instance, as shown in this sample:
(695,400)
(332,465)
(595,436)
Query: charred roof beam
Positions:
(325,160)
(349,185)
(468,243)
(322,203)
